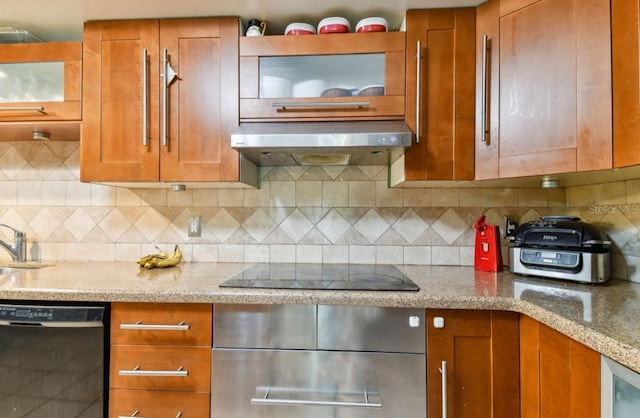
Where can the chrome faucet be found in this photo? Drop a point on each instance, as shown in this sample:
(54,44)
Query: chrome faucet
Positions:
(18,249)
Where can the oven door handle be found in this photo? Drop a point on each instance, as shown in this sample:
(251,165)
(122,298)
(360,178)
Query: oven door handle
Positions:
(309,402)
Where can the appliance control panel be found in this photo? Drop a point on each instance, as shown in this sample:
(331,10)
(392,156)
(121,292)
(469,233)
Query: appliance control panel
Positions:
(37,314)
(550,258)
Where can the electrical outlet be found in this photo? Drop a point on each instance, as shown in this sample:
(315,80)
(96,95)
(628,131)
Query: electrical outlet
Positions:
(195,226)
(510,226)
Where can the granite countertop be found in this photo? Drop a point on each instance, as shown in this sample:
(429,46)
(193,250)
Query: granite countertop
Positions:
(603,317)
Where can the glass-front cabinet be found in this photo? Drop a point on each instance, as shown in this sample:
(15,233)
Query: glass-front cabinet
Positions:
(40,81)
(40,91)
(322,77)
(620,390)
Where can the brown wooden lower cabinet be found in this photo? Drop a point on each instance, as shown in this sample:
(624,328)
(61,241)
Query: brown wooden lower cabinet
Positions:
(156,403)
(482,359)
(560,377)
(160,360)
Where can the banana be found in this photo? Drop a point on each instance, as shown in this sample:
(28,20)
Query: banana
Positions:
(173,260)
(153,258)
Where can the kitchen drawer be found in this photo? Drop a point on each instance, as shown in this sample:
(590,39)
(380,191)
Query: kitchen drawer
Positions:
(265,326)
(157,403)
(160,367)
(161,324)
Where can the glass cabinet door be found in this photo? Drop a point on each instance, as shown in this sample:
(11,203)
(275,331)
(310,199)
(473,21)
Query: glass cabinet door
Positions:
(626,399)
(346,76)
(620,390)
(322,76)
(32,82)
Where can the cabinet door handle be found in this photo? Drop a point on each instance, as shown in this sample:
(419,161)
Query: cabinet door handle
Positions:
(136,412)
(168,76)
(156,327)
(145,98)
(418,88)
(136,371)
(23,109)
(293,105)
(443,370)
(484,89)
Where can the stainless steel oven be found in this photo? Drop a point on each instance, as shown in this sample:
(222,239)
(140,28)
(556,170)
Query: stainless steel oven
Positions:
(52,360)
(291,361)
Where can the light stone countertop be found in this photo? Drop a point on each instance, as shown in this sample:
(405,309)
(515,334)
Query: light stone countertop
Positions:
(605,317)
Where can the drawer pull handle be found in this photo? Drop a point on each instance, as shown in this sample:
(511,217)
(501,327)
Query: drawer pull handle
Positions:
(135,415)
(307,402)
(182,326)
(294,105)
(164,373)
(23,109)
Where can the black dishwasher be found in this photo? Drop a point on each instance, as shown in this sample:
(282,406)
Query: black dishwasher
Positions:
(52,360)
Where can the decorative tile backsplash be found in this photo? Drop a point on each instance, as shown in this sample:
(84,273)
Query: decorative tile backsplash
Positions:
(301,214)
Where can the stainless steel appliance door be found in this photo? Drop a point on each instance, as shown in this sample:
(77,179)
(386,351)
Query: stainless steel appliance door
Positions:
(52,361)
(317,384)
(620,388)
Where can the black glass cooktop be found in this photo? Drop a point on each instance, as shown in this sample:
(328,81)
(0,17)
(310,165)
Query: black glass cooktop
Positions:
(322,276)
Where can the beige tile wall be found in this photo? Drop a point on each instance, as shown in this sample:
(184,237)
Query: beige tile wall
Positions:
(332,214)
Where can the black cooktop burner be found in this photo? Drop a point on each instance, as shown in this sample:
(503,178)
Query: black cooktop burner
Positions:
(322,276)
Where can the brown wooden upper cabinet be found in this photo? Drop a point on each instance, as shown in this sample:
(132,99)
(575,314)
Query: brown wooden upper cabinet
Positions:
(472,363)
(440,88)
(626,82)
(40,90)
(352,76)
(543,87)
(160,100)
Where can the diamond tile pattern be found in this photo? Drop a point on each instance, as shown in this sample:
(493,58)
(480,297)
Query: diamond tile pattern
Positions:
(303,214)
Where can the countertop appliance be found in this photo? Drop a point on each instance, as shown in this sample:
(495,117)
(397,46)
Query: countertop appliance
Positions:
(560,247)
(52,360)
(318,361)
(314,276)
(620,390)
(322,143)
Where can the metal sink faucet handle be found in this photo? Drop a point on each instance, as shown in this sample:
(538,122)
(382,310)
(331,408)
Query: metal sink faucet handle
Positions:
(18,249)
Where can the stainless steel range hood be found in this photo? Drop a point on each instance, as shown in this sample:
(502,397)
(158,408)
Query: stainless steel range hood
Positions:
(272,144)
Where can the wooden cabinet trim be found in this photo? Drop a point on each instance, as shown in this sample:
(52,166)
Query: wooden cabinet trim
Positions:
(348,43)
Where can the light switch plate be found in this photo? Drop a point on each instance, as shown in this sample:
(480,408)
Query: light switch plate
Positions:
(195,226)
